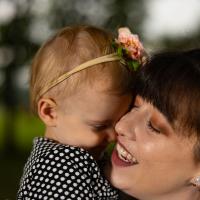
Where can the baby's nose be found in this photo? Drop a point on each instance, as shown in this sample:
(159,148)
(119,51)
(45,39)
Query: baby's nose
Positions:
(112,135)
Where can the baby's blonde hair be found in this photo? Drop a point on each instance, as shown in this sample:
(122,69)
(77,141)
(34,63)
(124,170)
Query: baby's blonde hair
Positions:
(70,47)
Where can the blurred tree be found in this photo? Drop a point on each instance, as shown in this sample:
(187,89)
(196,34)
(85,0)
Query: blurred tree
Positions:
(189,42)
(127,13)
(14,36)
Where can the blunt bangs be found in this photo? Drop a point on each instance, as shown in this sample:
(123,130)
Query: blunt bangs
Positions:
(171,82)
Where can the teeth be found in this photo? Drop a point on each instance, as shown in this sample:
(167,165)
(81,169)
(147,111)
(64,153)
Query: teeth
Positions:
(124,155)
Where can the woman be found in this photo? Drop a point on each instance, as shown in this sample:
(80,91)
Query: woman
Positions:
(157,156)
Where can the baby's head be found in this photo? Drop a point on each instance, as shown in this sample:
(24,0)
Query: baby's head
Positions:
(82,109)
(69,48)
(171,83)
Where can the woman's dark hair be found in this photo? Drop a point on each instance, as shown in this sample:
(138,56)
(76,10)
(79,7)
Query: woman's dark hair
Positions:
(171,82)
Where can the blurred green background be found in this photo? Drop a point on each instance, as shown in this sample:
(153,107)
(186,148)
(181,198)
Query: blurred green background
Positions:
(26,24)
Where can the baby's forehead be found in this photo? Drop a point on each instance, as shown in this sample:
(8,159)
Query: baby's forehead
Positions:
(94,103)
(94,79)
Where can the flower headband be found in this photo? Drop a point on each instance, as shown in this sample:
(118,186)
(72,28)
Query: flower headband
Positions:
(129,48)
(129,51)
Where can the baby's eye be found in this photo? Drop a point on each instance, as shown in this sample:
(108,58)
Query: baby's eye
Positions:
(99,127)
(152,128)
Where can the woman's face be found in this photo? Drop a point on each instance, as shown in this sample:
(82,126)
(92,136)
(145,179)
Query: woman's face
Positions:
(151,159)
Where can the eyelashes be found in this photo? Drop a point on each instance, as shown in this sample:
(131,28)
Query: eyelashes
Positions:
(152,128)
(134,108)
(150,125)
(99,127)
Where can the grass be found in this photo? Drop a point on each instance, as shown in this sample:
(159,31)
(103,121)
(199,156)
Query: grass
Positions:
(25,127)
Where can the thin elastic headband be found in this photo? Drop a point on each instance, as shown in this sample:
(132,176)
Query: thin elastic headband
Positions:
(90,63)
(129,51)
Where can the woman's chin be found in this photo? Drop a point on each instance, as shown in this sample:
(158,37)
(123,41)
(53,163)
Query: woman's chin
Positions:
(118,173)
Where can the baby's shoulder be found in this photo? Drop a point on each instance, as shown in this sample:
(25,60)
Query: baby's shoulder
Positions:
(68,155)
(49,154)
(47,149)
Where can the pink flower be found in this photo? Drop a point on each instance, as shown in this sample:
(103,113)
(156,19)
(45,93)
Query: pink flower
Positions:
(131,43)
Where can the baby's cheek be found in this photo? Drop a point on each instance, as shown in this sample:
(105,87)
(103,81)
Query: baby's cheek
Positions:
(100,140)
(94,140)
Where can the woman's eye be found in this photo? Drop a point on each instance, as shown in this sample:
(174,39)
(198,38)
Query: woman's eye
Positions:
(152,128)
(134,107)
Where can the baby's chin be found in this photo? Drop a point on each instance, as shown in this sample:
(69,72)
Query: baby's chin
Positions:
(97,152)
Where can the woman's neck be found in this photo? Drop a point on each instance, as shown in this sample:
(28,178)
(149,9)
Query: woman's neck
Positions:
(191,193)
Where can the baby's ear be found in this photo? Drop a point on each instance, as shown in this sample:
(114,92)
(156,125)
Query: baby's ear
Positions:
(47,111)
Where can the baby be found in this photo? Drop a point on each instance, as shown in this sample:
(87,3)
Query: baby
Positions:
(79,89)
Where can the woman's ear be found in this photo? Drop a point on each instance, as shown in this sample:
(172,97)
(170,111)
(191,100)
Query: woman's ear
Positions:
(47,111)
(195,180)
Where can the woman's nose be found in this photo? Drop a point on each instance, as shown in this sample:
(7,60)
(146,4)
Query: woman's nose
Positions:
(126,126)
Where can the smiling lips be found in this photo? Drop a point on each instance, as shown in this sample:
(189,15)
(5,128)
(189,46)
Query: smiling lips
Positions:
(122,157)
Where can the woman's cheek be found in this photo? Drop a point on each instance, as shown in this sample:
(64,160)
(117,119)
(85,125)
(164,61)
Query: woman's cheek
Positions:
(147,152)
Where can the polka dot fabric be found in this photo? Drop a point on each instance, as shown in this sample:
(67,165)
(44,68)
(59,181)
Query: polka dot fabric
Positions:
(56,171)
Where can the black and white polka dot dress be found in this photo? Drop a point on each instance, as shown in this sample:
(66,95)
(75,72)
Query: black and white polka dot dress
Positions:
(56,171)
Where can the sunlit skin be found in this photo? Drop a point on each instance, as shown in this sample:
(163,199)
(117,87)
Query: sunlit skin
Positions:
(165,159)
(87,118)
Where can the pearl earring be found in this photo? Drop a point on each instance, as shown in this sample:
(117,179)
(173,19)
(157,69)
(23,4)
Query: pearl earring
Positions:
(196,181)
